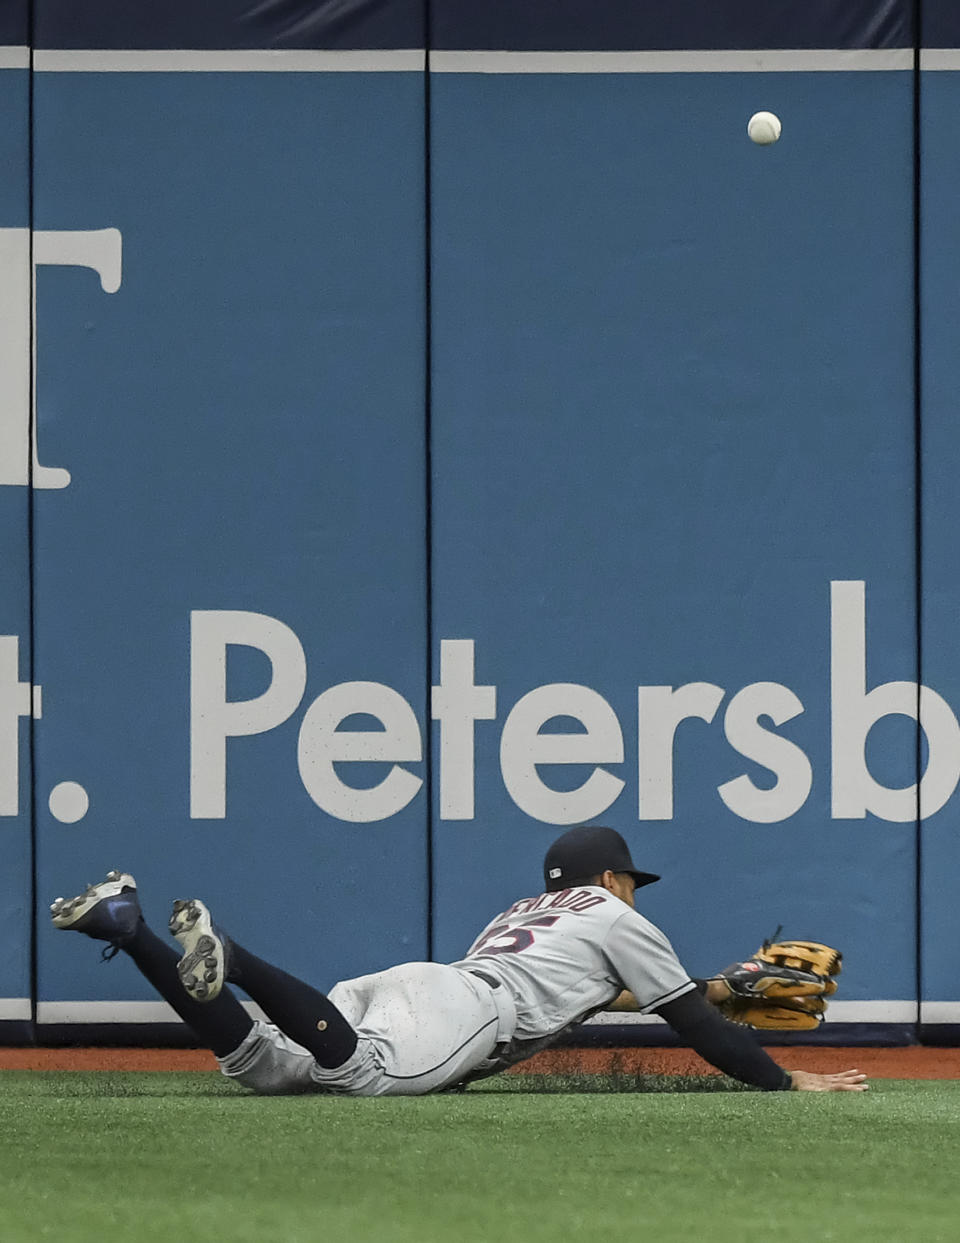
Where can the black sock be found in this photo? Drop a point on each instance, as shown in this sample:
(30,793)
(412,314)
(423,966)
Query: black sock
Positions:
(301,1012)
(221,1025)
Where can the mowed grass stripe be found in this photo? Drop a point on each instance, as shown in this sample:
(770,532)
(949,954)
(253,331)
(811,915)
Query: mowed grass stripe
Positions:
(86,1156)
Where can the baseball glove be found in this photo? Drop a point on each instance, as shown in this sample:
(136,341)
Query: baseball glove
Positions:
(783,987)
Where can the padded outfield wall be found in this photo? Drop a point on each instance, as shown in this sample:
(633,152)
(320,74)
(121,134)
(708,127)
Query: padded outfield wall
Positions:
(448,428)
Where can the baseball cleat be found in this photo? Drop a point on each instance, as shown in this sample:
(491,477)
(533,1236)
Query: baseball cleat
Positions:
(203,968)
(108,911)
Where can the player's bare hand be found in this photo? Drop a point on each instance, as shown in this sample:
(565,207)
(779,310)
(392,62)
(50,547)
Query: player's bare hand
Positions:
(844,1081)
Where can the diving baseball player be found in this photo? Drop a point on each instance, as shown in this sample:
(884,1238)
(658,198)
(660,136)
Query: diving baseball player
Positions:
(545,963)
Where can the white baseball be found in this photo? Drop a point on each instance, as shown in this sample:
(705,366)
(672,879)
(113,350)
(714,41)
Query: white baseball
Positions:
(764,128)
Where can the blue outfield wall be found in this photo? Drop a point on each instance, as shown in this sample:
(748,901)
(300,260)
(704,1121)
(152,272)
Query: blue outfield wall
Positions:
(940,306)
(231,370)
(700,415)
(601,422)
(16,890)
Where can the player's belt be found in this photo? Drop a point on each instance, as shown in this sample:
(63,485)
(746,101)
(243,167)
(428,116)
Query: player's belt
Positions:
(487,979)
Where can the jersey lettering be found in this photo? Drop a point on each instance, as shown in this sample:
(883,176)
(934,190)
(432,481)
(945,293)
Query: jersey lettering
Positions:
(570,899)
(578,899)
(502,939)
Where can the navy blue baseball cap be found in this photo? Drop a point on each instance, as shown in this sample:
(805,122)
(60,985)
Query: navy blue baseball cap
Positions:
(588,851)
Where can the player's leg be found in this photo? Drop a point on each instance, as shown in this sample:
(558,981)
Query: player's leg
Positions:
(301,1012)
(110,911)
(427,1026)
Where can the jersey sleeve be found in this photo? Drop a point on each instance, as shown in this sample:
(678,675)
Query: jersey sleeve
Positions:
(645,961)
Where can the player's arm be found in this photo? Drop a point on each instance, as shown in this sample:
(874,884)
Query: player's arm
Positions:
(645,962)
(723,1044)
(734,1050)
(715,991)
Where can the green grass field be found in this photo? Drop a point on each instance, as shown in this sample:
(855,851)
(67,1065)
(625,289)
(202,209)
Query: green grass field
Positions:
(150,1157)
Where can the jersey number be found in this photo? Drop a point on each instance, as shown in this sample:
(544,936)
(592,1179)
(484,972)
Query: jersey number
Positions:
(506,940)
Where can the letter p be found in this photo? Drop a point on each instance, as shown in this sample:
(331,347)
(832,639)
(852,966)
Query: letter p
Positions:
(213,718)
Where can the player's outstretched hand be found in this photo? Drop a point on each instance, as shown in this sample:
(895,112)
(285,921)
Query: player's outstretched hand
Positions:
(844,1081)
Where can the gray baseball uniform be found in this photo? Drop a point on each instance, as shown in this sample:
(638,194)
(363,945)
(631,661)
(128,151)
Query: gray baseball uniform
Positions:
(545,963)
(565,956)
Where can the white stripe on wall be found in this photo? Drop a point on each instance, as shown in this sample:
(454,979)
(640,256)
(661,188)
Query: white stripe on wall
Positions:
(838,1012)
(940,58)
(116,1012)
(412,60)
(939,1012)
(14,1009)
(775,60)
(14,58)
(256,61)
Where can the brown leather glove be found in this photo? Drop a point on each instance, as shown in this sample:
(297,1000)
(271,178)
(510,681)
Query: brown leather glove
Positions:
(783,987)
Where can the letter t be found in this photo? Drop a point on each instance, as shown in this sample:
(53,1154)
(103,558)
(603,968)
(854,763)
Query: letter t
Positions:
(17,699)
(456,703)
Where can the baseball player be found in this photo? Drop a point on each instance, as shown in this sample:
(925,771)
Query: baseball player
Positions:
(547,962)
